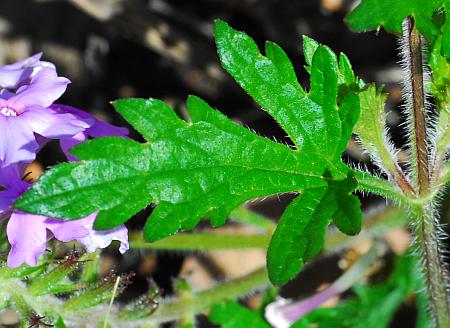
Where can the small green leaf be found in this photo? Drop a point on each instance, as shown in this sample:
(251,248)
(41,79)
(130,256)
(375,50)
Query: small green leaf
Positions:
(49,283)
(371,128)
(59,323)
(346,76)
(309,48)
(348,217)
(324,89)
(440,87)
(300,233)
(446,170)
(281,61)
(233,315)
(349,114)
(370,14)
(430,17)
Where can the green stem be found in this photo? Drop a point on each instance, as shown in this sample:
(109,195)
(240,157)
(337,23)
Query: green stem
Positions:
(434,266)
(186,305)
(375,224)
(200,301)
(202,242)
(244,215)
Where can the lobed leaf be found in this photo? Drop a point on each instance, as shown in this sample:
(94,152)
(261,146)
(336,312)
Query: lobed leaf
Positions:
(304,117)
(207,167)
(300,233)
(186,169)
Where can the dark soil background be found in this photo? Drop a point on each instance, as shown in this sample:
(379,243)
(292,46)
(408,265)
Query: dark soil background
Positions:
(165,49)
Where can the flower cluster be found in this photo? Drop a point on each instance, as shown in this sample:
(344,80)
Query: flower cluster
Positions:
(29,118)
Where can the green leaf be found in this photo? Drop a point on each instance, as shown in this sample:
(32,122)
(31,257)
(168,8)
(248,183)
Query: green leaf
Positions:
(186,168)
(430,17)
(309,48)
(440,87)
(446,170)
(281,61)
(374,306)
(233,315)
(60,323)
(300,233)
(346,76)
(348,217)
(304,117)
(349,114)
(371,128)
(348,83)
(52,282)
(370,14)
(207,167)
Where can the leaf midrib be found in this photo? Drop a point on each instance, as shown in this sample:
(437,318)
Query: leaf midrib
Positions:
(148,175)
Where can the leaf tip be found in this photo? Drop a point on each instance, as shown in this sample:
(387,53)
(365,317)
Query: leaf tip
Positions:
(219,25)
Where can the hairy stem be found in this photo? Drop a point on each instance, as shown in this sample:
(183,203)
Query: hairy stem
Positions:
(425,216)
(14,291)
(434,267)
(202,300)
(418,107)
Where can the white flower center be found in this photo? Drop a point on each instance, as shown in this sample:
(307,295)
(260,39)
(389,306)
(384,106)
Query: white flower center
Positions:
(8,111)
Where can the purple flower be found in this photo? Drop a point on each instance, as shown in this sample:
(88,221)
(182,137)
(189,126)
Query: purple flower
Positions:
(28,233)
(14,75)
(283,313)
(97,129)
(26,114)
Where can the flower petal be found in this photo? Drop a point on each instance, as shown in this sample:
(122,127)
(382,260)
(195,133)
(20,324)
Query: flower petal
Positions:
(97,129)
(27,235)
(17,141)
(102,238)
(10,179)
(67,143)
(52,124)
(11,76)
(44,89)
(66,231)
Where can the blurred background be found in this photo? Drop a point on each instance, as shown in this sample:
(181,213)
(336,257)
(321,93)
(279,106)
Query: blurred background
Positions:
(165,49)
